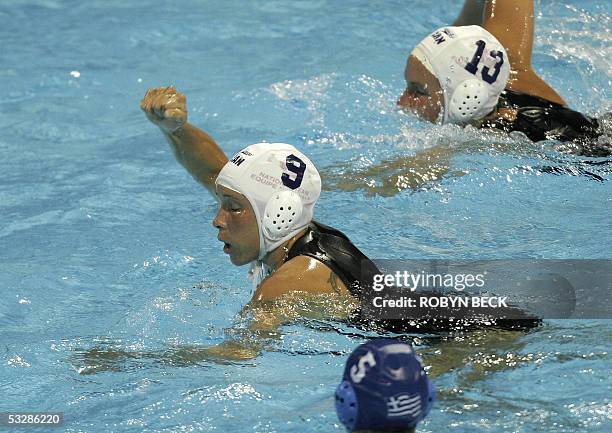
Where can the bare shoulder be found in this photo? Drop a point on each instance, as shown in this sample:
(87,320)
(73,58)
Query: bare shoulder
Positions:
(301,274)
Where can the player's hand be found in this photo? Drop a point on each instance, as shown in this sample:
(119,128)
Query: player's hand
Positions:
(165,107)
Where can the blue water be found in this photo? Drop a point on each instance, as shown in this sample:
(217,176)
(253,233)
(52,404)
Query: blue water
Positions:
(105,241)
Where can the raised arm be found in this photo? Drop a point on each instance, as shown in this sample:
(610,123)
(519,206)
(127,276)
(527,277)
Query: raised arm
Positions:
(192,147)
(511,22)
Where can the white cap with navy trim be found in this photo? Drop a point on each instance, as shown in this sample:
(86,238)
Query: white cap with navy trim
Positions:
(281,184)
(472,67)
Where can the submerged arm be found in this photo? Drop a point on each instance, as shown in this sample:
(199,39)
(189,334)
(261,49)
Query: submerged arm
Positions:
(256,331)
(241,343)
(391,176)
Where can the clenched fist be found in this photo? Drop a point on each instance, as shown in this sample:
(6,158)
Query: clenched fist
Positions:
(165,107)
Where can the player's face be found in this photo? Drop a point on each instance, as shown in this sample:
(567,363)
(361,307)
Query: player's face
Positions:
(423,94)
(237,225)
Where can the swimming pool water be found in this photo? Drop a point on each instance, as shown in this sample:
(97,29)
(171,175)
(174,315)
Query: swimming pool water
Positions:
(105,241)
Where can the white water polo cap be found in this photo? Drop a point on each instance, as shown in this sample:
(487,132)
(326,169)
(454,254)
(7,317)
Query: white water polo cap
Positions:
(281,184)
(471,66)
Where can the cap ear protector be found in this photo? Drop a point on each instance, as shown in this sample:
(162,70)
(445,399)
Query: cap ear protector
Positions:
(281,214)
(431,390)
(347,406)
(467,101)
(471,66)
(384,388)
(281,184)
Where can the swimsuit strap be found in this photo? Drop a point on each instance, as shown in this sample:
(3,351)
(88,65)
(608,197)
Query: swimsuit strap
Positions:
(513,99)
(334,249)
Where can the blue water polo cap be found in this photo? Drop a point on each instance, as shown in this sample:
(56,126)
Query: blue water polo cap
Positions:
(384,388)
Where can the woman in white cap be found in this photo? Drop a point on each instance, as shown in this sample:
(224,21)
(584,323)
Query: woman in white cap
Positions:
(267,193)
(479,72)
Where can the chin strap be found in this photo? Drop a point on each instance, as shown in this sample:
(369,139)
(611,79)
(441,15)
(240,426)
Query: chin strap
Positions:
(258,272)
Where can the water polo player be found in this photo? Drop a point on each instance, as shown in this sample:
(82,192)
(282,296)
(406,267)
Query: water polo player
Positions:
(468,74)
(267,194)
(384,388)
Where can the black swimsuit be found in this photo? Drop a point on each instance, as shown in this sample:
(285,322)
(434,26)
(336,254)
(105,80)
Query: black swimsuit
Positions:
(332,248)
(540,119)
